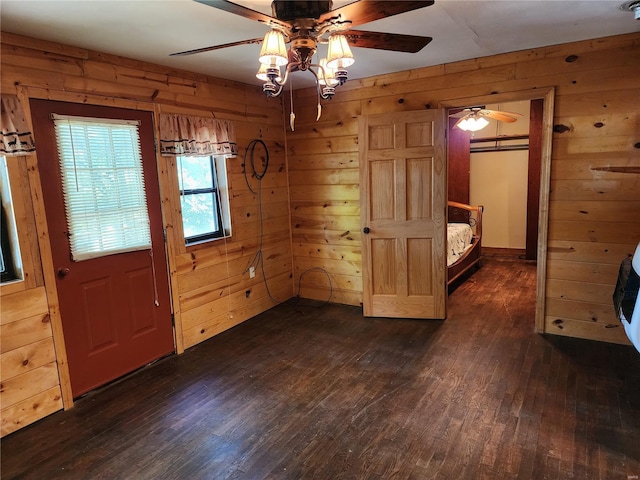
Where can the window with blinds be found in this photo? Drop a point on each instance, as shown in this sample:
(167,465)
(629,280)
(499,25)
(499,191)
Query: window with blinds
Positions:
(103,186)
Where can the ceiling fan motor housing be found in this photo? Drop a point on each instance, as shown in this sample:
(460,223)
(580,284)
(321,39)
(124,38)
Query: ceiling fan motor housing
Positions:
(288,10)
(304,48)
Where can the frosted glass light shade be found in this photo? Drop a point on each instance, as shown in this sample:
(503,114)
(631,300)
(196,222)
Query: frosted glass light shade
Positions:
(339,55)
(273,51)
(473,124)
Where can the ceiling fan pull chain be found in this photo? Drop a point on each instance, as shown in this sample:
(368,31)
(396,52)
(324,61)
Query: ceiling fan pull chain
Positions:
(319,95)
(292,116)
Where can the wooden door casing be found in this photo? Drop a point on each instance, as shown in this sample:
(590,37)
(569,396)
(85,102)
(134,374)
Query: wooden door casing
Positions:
(403,214)
(111,322)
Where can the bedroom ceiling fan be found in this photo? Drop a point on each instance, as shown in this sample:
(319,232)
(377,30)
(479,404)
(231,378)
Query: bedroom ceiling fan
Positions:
(475,118)
(304,25)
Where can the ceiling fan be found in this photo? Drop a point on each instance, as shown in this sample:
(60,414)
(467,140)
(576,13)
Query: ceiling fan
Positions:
(475,118)
(305,24)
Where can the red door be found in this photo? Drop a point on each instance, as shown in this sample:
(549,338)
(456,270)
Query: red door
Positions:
(115,309)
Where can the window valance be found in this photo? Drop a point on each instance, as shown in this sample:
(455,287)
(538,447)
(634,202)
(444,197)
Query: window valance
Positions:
(17,138)
(196,136)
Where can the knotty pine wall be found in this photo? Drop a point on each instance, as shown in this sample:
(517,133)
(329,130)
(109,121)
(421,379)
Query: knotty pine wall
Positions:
(210,292)
(594,216)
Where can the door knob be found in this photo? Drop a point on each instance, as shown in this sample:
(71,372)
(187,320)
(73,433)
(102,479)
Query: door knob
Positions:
(63,272)
(366,230)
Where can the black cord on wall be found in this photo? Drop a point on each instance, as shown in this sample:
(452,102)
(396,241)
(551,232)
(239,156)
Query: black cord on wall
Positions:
(257,260)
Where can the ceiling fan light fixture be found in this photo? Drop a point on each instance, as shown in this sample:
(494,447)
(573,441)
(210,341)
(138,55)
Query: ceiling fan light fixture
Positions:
(472,123)
(632,6)
(273,51)
(327,75)
(339,55)
(263,73)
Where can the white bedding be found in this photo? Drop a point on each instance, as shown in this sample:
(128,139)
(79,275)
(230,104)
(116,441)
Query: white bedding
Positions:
(459,237)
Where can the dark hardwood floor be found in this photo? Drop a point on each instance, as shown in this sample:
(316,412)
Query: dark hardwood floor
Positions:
(306,393)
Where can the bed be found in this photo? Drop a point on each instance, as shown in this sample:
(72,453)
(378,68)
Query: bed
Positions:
(464,236)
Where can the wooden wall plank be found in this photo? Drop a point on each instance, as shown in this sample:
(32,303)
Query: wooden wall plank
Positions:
(31,409)
(35,44)
(23,304)
(597,232)
(323,161)
(23,359)
(28,384)
(582,311)
(612,333)
(335,252)
(594,211)
(583,271)
(329,237)
(600,293)
(24,332)
(608,253)
(581,167)
(594,190)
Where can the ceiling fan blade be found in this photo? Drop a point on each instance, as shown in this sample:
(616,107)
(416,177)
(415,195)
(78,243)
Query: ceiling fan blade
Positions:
(508,117)
(461,113)
(245,12)
(365,11)
(386,41)
(216,47)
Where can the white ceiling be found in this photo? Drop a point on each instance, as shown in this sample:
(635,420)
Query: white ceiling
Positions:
(150,30)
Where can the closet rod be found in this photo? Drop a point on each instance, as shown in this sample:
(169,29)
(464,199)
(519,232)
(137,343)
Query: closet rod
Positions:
(499,139)
(503,148)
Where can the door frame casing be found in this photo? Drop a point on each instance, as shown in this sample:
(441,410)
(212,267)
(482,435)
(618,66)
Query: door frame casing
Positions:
(547,94)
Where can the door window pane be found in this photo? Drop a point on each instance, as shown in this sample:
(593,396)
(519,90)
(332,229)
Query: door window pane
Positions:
(103,186)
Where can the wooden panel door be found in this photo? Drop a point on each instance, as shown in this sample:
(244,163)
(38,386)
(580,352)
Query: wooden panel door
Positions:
(115,309)
(403,214)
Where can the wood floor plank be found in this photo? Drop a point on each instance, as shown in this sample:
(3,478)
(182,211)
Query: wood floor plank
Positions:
(301,392)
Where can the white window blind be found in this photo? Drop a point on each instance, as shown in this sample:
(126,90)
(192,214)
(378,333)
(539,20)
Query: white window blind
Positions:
(103,186)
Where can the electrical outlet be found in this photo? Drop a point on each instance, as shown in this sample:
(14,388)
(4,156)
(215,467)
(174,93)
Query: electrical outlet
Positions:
(252,272)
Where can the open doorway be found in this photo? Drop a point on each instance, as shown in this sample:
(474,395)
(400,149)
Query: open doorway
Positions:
(536,222)
(495,167)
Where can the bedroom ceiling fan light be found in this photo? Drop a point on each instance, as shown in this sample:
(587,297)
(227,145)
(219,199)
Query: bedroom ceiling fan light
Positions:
(472,123)
(273,51)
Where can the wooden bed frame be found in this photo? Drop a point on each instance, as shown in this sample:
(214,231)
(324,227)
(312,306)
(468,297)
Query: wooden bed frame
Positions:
(462,213)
